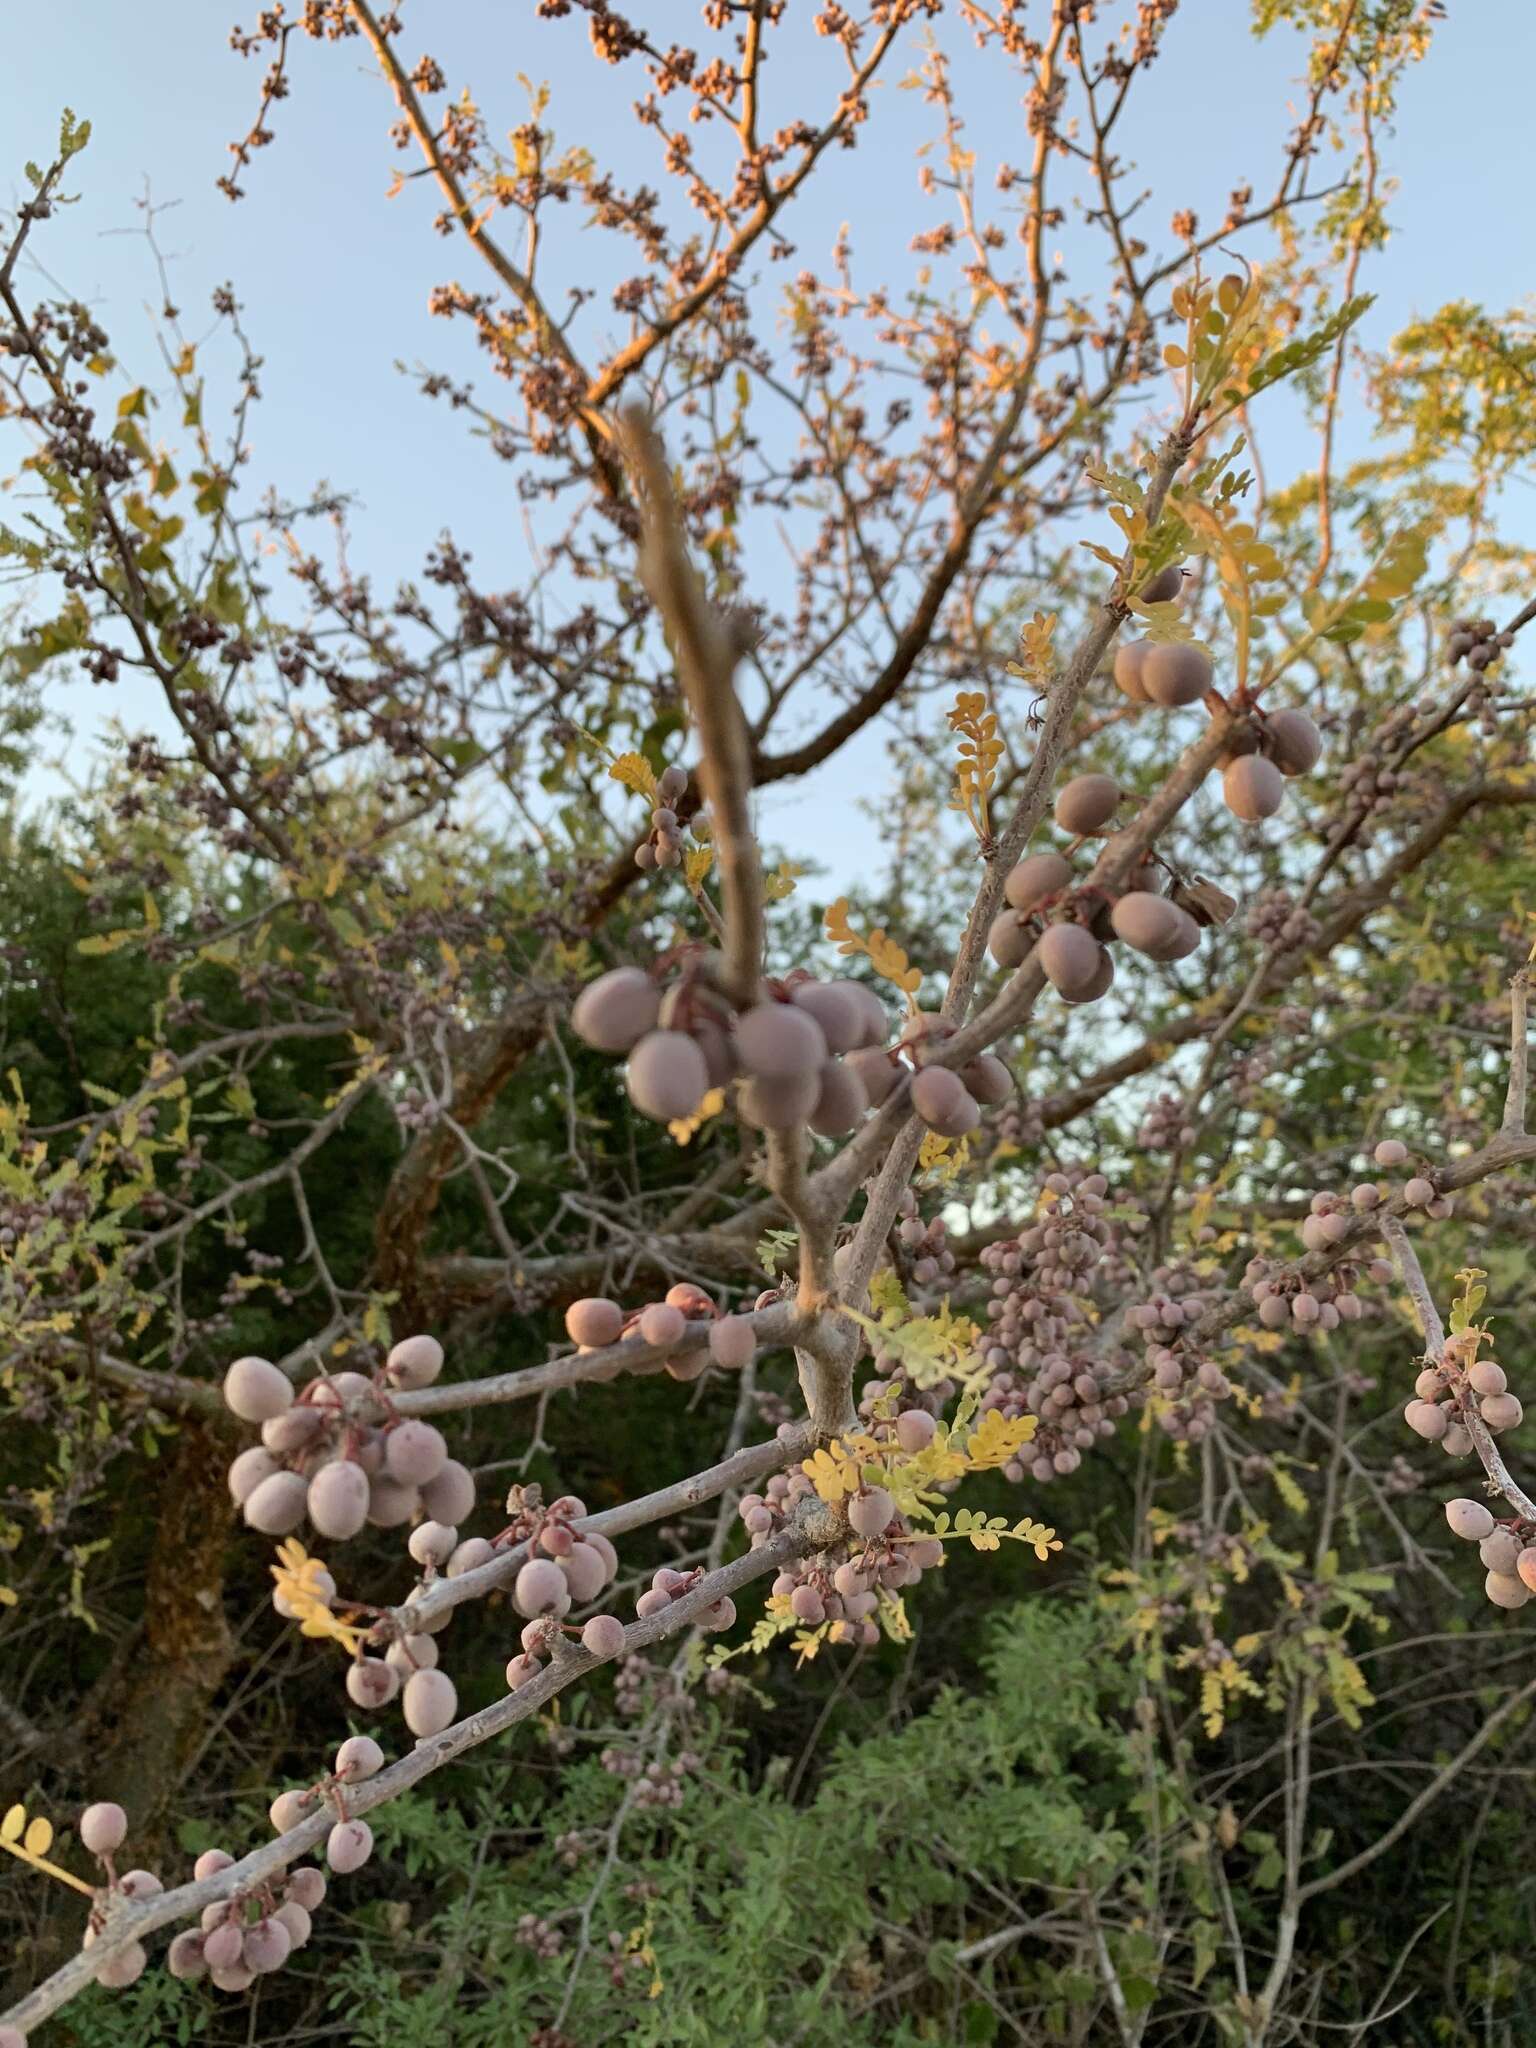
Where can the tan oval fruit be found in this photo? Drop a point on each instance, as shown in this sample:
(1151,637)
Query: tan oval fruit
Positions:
(1103,977)
(1500,1552)
(1041,875)
(1501,1411)
(1008,940)
(1292,742)
(1253,788)
(1506,1591)
(666,1076)
(1072,960)
(1164,587)
(1469,1519)
(1150,924)
(1188,940)
(1127,670)
(1176,673)
(1087,803)
(1426,1419)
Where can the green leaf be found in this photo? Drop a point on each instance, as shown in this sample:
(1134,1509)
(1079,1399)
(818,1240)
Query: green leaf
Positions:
(73,134)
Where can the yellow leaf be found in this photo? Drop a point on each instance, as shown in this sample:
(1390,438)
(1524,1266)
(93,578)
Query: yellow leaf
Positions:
(683,1128)
(996,1440)
(832,1473)
(697,862)
(11,1827)
(1212,1704)
(636,773)
(781,882)
(884,955)
(38,1839)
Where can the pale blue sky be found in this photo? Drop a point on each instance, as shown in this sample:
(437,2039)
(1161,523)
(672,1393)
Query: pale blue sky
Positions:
(335,276)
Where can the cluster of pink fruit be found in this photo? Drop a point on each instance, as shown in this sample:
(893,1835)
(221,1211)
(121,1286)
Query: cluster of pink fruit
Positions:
(1507,1549)
(1459,1385)
(250,1934)
(567,1567)
(1040,1330)
(839,1587)
(809,1052)
(679,1319)
(1174,673)
(336,1451)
